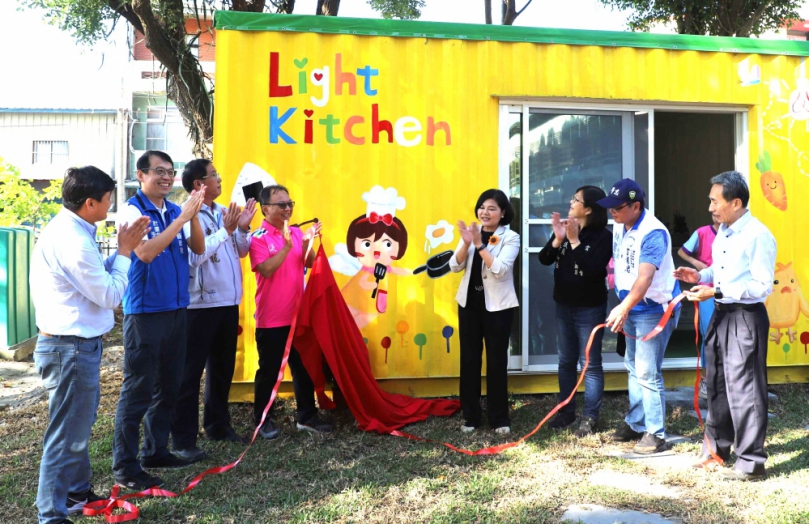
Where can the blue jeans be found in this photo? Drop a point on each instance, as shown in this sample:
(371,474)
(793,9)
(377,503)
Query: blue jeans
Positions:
(69,367)
(573,327)
(644,361)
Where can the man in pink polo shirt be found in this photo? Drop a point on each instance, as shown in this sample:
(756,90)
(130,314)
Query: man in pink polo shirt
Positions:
(277,257)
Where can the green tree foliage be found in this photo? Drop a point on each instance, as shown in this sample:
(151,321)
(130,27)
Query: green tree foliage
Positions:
(162,22)
(21,204)
(402,9)
(741,18)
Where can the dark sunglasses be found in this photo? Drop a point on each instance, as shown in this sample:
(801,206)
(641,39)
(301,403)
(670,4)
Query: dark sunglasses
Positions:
(616,209)
(281,205)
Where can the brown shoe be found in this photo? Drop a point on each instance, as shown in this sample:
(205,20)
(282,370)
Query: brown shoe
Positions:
(650,444)
(625,434)
(706,463)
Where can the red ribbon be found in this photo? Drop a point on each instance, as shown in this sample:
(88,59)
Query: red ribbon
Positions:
(494,450)
(107,506)
(374,217)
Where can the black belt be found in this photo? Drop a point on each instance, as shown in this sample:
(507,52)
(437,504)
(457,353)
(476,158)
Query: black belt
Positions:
(66,336)
(733,306)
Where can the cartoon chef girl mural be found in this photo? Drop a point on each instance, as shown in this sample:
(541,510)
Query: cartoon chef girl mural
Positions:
(374,242)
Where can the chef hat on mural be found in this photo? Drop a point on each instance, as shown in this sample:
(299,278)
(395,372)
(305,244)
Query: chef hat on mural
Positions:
(383,201)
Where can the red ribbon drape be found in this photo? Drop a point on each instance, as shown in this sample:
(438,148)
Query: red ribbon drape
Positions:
(108,506)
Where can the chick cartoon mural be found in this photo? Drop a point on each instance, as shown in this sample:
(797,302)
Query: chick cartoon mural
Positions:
(785,303)
(374,242)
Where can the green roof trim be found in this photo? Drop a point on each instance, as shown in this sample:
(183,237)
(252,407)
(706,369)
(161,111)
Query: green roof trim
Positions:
(238,21)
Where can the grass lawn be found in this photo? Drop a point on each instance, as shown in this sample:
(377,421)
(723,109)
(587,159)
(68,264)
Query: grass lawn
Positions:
(352,476)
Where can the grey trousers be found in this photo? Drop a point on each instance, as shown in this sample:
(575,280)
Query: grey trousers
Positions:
(736,363)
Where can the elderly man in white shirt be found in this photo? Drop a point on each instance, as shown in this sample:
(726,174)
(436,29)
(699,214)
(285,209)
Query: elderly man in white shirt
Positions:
(739,281)
(74,292)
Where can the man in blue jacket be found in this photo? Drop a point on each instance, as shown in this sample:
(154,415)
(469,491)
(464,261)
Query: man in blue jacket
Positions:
(154,323)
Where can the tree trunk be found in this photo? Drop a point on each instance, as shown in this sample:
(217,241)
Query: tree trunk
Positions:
(327,7)
(487,7)
(185,80)
(510,12)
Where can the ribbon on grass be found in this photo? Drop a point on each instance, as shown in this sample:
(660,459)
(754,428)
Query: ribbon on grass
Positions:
(107,507)
(494,450)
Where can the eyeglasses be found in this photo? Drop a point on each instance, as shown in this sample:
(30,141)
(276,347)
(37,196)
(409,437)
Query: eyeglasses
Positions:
(281,205)
(215,176)
(616,209)
(573,200)
(160,171)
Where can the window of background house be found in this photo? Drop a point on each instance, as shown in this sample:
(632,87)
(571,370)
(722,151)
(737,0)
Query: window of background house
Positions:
(49,152)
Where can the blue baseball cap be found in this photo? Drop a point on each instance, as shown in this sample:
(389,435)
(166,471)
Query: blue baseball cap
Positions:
(623,191)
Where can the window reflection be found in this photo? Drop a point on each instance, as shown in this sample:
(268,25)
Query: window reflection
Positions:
(567,152)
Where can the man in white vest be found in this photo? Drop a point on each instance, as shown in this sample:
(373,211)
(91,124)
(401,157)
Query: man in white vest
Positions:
(641,247)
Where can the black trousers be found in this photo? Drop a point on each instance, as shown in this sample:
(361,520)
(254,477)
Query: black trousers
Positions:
(270,343)
(474,326)
(154,353)
(736,363)
(211,346)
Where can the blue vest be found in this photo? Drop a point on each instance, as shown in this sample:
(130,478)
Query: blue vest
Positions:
(161,285)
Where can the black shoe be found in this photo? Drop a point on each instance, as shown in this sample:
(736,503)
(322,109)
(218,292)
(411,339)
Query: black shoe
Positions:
(228,434)
(562,421)
(315,425)
(167,462)
(586,427)
(269,431)
(650,444)
(77,501)
(625,434)
(139,482)
(735,474)
(190,454)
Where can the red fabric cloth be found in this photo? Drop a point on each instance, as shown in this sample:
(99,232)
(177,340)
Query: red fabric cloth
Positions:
(327,329)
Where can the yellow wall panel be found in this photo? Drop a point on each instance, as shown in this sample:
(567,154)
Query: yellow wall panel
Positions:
(457,82)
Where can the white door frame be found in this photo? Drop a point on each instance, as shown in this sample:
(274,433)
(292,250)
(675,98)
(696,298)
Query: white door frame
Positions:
(520,363)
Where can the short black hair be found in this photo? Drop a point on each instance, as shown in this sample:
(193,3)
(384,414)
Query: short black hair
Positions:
(82,183)
(598,215)
(733,186)
(145,160)
(197,169)
(269,191)
(502,202)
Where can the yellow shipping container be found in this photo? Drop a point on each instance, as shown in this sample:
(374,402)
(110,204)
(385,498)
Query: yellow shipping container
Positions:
(435,113)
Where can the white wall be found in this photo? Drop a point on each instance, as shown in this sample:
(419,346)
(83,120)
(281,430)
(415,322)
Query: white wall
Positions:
(90,137)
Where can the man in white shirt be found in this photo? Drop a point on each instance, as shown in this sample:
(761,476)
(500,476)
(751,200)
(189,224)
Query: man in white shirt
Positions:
(736,342)
(74,292)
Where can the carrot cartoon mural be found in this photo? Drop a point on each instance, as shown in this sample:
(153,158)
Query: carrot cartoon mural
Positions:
(772,182)
(785,303)
(374,242)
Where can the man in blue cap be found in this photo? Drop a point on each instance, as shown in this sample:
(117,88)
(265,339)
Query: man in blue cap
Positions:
(641,248)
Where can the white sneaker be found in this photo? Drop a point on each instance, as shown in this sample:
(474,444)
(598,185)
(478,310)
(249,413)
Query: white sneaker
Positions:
(503,430)
(468,429)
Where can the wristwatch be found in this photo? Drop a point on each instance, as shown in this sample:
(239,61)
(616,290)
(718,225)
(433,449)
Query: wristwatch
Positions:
(481,248)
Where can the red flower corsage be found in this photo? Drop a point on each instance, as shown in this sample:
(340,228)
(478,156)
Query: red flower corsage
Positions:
(494,239)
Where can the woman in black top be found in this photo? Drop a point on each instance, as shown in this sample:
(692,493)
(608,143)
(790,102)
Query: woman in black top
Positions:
(581,248)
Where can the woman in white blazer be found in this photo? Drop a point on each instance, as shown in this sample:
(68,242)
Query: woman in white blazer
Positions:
(486,303)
